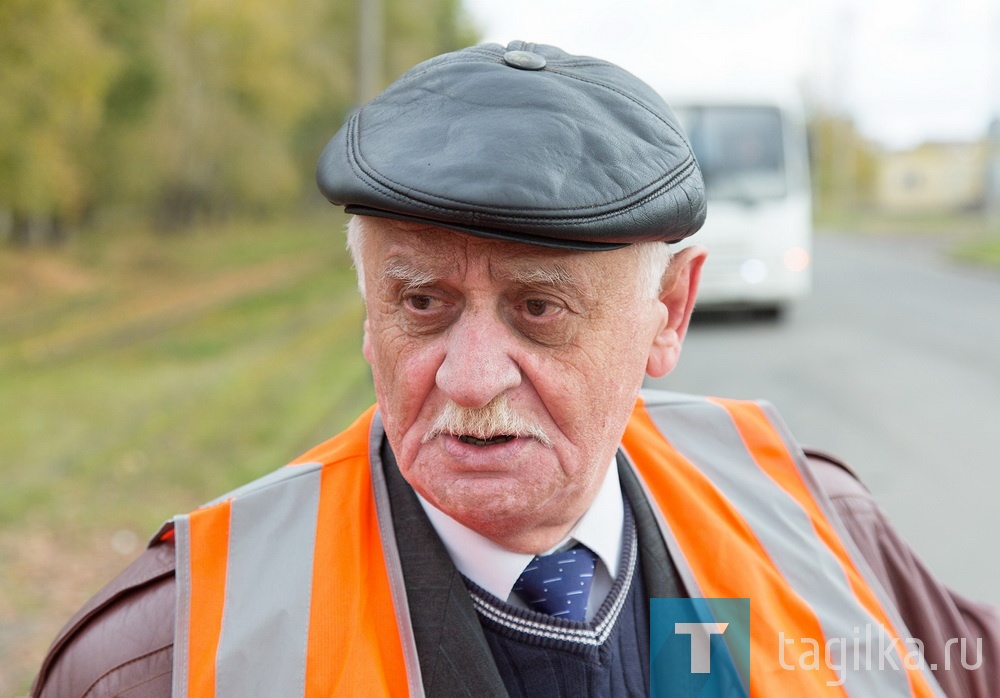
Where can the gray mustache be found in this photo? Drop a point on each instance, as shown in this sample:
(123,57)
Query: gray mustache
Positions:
(497,418)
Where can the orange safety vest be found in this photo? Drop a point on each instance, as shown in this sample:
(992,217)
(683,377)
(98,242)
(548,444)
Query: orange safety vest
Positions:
(292,585)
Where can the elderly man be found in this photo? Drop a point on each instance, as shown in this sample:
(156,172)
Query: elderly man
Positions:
(499,522)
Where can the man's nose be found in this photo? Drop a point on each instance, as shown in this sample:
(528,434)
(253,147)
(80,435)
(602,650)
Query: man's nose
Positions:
(478,365)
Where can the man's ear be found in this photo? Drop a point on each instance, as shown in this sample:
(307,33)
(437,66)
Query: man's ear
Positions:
(679,288)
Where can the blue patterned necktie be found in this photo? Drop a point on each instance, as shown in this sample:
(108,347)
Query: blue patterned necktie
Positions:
(559,584)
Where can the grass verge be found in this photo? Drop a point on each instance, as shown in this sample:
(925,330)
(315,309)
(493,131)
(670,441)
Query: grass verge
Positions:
(983,250)
(972,238)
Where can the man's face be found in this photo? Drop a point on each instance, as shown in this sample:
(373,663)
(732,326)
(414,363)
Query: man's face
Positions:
(562,337)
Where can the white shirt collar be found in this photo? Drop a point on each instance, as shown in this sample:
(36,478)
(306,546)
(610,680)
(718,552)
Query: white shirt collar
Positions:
(496,569)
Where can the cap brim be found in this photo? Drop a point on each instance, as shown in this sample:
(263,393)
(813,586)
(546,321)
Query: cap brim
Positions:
(491,233)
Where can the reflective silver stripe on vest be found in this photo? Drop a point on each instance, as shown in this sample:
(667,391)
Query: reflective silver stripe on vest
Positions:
(784,531)
(888,605)
(267,593)
(269,587)
(182,623)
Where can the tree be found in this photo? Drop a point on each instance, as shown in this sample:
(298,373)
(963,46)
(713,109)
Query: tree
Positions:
(843,163)
(52,105)
(118,163)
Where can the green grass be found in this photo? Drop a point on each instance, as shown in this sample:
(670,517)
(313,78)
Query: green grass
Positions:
(142,376)
(871,222)
(973,238)
(983,250)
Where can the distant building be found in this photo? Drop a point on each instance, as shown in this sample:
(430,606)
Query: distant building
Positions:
(932,178)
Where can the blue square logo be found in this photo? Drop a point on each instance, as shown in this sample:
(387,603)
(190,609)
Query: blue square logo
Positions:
(699,648)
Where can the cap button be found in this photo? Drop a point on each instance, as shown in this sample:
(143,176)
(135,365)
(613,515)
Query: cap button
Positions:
(525,60)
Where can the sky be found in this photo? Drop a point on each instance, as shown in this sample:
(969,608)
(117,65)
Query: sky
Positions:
(906,71)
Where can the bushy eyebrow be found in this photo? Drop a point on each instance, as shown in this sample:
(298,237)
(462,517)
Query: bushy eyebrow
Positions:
(409,276)
(553,276)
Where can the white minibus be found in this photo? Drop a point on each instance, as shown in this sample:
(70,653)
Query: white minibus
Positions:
(753,152)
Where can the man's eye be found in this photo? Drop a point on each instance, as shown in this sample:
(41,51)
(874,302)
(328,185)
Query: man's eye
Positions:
(540,308)
(419,302)
(536,308)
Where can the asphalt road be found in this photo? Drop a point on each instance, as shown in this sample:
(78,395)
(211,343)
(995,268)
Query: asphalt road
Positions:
(893,364)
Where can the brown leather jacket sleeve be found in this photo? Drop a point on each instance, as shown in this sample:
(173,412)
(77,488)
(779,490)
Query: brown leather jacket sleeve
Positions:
(121,642)
(943,620)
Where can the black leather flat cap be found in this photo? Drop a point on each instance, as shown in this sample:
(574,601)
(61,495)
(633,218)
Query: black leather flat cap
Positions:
(523,143)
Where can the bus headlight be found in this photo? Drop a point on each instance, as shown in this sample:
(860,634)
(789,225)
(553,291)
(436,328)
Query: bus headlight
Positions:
(753,271)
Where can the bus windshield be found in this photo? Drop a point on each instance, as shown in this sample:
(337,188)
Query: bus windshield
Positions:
(740,150)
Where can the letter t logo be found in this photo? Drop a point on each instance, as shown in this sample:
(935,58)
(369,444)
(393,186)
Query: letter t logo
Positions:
(701,643)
